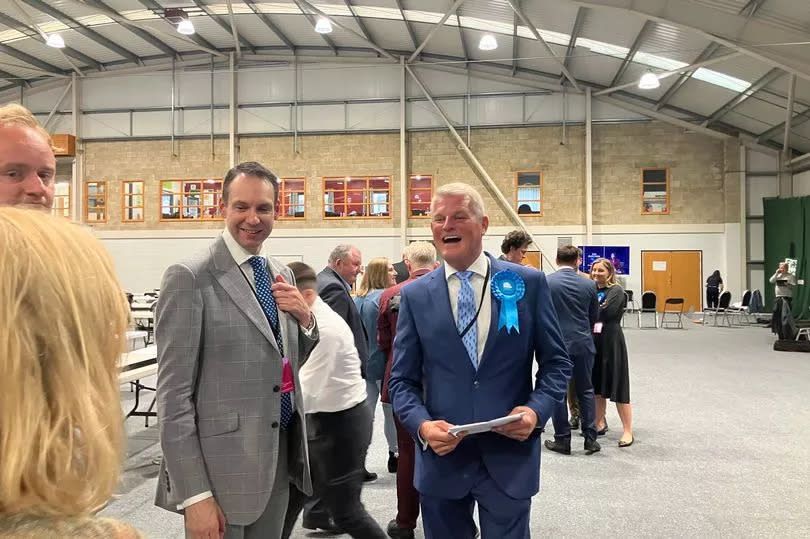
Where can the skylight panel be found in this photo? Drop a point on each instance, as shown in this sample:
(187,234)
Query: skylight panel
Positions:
(600,47)
(721,79)
(280,8)
(378,12)
(653,60)
(140,14)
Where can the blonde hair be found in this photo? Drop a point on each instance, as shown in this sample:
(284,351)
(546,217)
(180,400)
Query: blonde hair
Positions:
(611,279)
(375,277)
(19,116)
(473,198)
(421,254)
(62,321)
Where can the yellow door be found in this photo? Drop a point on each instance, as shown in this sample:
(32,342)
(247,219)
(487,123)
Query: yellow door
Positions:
(673,274)
(655,276)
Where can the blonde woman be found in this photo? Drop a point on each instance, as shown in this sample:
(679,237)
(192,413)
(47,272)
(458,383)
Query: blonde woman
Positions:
(379,275)
(611,375)
(62,324)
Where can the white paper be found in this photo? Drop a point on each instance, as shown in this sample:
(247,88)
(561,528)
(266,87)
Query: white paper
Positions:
(485,426)
(659,265)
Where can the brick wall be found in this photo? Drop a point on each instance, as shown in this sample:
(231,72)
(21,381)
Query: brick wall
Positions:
(703,180)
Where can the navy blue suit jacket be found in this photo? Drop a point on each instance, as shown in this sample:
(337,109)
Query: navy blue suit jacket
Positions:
(577,308)
(334,291)
(432,378)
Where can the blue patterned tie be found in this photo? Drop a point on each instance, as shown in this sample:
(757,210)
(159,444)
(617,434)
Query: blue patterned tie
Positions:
(466,313)
(268,303)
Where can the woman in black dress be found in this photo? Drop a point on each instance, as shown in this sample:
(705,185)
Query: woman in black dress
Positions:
(611,375)
(714,285)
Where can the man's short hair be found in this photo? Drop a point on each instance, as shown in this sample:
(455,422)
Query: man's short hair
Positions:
(249,168)
(474,201)
(515,240)
(14,115)
(421,254)
(340,252)
(568,254)
(305,278)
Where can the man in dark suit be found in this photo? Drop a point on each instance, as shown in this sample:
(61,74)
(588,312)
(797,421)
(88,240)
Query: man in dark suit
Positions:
(467,335)
(577,308)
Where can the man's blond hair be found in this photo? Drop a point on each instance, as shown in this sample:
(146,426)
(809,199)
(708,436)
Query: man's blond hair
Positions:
(421,254)
(475,202)
(19,116)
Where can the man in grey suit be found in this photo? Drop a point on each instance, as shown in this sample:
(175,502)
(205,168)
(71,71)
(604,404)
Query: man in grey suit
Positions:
(232,332)
(577,308)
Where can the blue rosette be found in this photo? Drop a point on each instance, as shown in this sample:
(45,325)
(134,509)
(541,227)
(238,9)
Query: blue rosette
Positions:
(508,288)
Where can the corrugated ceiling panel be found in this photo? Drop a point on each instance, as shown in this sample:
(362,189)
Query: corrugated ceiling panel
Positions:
(674,43)
(255,31)
(16,67)
(167,33)
(747,123)
(790,13)
(533,55)
(701,97)
(298,29)
(612,27)
(495,10)
(552,15)
(382,3)
(43,52)
(390,34)
(742,67)
(762,111)
(446,41)
(801,137)
(89,47)
(341,37)
(589,66)
(120,35)
(212,32)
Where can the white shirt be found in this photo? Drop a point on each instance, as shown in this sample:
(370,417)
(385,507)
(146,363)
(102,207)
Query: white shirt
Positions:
(330,379)
(479,269)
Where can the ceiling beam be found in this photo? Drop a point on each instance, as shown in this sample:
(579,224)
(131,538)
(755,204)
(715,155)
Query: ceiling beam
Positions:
(575,32)
(28,59)
(795,121)
(312,21)
(225,25)
(461,38)
(34,33)
(705,55)
(359,21)
(657,115)
(515,43)
(143,34)
(270,24)
(234,30)
(538,37)
(789,116)
(84,30)
(14,79)
(750,9)
(436,27)
(345,28)
(196,38)
(408,26)
(743,96)
(642,35)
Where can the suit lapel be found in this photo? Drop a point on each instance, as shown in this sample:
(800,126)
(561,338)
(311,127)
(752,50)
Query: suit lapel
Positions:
(233,281)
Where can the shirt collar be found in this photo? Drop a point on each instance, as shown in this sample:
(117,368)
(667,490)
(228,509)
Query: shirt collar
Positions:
(479,266)
(240,254)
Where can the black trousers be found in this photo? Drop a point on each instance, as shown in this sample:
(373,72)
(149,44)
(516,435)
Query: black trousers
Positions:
(338,442)
(712,296)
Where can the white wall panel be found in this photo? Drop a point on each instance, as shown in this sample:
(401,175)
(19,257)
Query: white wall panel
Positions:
(496,110)
(263,120)
(756,278)
(198,122)
(373,116)
(349,81)
(756,240)
(194,88)
(44,101)
(60,123)
(422,113)
(761,162)
(801,184)
(152,124)
(106,125)
(436,82)
(322,118)
(759,187)
(128,91)
(264,85)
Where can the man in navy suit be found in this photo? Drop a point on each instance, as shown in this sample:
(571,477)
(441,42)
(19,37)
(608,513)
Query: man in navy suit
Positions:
(577,308)
(463,353)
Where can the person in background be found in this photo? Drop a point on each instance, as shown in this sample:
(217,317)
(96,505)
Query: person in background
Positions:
(514,246)
(611,374)
(420,257)
(379,275)
(338,419)
(27,161)
(402,269)
(714,285)
(783,282)
(62,324)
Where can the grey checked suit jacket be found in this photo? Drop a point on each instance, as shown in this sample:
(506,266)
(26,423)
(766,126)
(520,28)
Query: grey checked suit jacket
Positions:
(219,372)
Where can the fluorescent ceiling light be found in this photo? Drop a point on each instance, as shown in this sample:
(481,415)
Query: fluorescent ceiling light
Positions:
(649,81)
(185,27)
(323,26)
(55,41)
(488,43)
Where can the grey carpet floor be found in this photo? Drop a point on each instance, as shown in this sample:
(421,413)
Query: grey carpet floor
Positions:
(722,449)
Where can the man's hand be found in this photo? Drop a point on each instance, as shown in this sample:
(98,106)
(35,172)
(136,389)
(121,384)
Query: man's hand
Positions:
(436,434)
(523,427)
(205,520)
(289,299)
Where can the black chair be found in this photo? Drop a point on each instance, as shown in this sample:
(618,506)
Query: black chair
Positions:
(674,307)
(648,305)
(630,302)
(722,305)
(740,310)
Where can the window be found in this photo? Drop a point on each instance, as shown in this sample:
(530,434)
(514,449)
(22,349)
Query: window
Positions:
(654,191)
(95,202)
(420,192)
(351,197)
(190,200)
(61,199)
(291,198)
(132,201)
(529,192)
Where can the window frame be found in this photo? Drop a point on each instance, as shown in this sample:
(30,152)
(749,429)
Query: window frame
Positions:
(104,192)
(420,189)
(540,200)
(65,211)
(125,206)
(202,206)
(282,191)
(367,202)
(666,184)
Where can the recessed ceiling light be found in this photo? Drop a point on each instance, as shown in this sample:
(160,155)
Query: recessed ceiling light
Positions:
(55,41)
(649,81)
(488,43)
(185,27)
(323,26)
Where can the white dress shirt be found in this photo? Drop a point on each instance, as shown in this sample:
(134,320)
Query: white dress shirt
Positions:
(479,269)
(330,379)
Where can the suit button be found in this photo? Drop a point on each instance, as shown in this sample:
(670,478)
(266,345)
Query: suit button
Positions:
(476,384)
(276,389)
(275,424)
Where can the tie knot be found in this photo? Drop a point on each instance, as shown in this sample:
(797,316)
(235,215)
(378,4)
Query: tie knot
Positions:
(256,262)
(464,275)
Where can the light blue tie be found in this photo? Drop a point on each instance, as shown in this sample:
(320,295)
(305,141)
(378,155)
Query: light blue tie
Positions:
(466,313)
(268,304)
